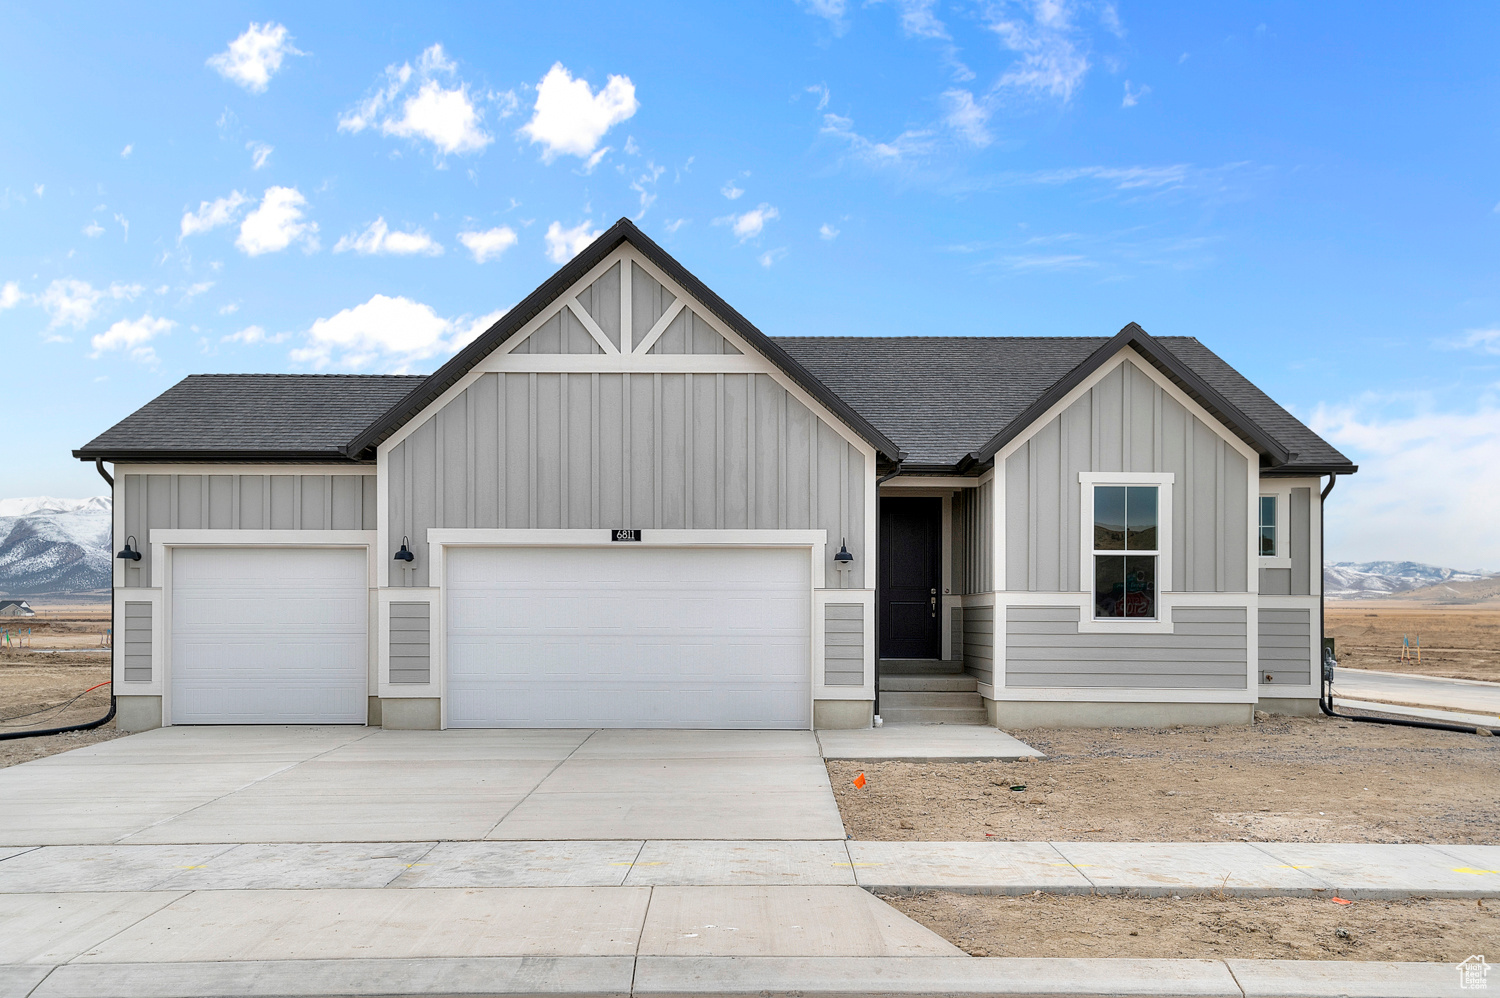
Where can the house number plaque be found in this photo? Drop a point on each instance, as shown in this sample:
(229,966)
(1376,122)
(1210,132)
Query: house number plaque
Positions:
(625,535)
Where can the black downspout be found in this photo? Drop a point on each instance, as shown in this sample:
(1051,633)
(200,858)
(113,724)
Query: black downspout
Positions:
(1325,702)
(39,732)
(876,582)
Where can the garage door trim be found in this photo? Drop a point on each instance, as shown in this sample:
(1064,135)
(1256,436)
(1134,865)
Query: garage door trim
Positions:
(164,541)
(440,538)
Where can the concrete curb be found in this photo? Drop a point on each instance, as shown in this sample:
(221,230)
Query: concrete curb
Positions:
(679,977)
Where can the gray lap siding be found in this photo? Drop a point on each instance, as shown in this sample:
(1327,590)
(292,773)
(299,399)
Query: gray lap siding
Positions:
(1206,650)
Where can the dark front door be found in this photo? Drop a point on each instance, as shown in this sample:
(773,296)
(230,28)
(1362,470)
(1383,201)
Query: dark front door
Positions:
(911,562)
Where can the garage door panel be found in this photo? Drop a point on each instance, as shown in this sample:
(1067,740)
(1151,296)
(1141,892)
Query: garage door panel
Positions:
(629,637)
(269,636)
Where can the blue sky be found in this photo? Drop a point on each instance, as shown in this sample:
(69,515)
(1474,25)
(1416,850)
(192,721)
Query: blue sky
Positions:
(1309,189)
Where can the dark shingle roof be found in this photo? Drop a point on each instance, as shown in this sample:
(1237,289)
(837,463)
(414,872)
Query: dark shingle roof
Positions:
(242,417)
(944,397)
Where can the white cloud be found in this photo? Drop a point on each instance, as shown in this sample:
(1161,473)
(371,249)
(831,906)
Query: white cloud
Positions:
(1483,340)
(771,256)
(260,152)
(447,117)
(564,244)
(125,153)
(902,148)
(71,302)
(570,118)
(831,11)
(731,190)
(133,335)
(673,224)
(1048,45)
(93,230)
(750,224)
(968,117)
(40,189)
(124,224)
(277,223)
(212,214)
(1426,485)
(229,309)
(489,244)
(386,332)
(821,89)
(1133,97)
(255,56)
(378,240)
(828,232)
(917,20)
(253,335)
(10,295)
(193,290)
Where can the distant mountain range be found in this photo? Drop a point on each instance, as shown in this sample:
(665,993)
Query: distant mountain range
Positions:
(52,545)
(1409,579)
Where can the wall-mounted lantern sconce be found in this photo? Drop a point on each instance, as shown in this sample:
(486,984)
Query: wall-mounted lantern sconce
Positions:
(843,559)
(405,553)
(130,553)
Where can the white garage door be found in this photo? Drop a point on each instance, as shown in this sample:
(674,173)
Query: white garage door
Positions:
(268,636)
(629,637)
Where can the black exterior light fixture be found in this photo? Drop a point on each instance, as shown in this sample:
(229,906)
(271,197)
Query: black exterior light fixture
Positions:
(130,553)
(405,553)
(843,559)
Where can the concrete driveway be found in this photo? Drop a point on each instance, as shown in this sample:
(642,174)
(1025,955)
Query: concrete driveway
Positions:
(353,784)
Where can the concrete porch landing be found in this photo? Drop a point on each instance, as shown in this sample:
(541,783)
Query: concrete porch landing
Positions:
(925,743)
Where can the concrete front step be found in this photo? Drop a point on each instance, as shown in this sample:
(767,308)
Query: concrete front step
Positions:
(919,667)
(932,698)
(929,684)
(931,715)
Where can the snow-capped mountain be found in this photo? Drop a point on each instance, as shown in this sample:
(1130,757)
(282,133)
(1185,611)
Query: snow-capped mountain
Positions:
(52,545)
(1363,580)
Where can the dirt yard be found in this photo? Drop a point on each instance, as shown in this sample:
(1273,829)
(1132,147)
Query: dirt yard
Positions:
(1461,642)
(31,682)
(1206,927)
(69,624)
(1281,779)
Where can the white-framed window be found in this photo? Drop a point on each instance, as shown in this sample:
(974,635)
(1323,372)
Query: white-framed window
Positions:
(1268,541)
(1126,533)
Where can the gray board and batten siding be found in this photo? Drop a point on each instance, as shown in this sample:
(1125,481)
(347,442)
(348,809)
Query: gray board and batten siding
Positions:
(611,451)
(1285,642)
(973,539)
(240,502)
(844,644)
(1125,423)
(1206,650)
(1297,580)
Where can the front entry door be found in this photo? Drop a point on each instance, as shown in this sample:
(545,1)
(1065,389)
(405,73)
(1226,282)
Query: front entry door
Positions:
(911,563)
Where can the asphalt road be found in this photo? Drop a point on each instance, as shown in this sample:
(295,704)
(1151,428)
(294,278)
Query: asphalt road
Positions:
(1390,687)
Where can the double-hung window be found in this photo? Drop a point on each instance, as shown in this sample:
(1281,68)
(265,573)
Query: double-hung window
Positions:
(1268,539)
(1127,540)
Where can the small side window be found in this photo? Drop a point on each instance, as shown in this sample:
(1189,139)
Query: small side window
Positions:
(1268,526)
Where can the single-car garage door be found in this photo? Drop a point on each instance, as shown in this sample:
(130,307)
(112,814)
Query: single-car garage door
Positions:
(629,637)
(269,636)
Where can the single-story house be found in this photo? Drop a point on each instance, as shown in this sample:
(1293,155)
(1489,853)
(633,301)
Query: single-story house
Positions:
(625,505)
(16,608)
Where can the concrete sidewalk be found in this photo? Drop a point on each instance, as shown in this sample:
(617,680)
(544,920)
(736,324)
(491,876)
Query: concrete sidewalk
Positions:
(706,977)
(1272,869)
(1470,696)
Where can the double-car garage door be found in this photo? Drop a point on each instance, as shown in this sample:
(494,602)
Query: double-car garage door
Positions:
(616,636)
(624,636)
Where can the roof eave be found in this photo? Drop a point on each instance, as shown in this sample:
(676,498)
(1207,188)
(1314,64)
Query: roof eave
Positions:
(128,456)
(1309,470)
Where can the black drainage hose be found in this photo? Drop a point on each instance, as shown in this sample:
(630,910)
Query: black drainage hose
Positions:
(6,736)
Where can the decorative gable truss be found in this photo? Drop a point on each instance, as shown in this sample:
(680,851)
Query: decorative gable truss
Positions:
(625,310)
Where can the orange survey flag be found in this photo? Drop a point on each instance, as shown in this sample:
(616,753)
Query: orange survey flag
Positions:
(859,781)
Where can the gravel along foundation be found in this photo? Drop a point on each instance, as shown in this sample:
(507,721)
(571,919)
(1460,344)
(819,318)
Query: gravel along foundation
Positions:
(1207,927)
(1280,779)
